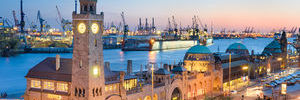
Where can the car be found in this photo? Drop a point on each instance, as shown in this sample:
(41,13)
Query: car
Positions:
(233,92)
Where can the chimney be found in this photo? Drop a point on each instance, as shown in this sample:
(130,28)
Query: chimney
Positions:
(57,62)
(107,65)
(129,67)
(166,66)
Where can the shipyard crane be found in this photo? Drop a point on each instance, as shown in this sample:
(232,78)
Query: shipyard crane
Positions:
(8,22)
(200,22)
(169,26)
(41,20)
(125,28)
(175,24)
(22,23)
(153,25)
(15,18)
(63,23)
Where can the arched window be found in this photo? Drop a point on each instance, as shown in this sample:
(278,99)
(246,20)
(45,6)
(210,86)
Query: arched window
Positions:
(93,92)
(91,8)
(76,91)
(79,94)
(85,8)
(83,93)
(97,93)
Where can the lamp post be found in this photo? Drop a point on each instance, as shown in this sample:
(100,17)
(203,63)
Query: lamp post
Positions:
(229,73)
(152,68)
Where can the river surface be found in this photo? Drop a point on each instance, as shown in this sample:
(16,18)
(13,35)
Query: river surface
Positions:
(13,69)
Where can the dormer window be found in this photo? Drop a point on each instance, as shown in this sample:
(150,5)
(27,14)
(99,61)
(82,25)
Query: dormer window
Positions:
(91,9)
(85,8)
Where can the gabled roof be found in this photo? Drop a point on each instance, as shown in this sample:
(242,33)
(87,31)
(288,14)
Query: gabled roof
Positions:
(47,70)
(199,49)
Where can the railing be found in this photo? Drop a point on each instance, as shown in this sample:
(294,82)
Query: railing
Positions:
(134,90)
(158,85)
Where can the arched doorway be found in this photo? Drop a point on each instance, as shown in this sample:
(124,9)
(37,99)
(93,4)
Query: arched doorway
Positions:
(217,84)
(147,98)
(176,95)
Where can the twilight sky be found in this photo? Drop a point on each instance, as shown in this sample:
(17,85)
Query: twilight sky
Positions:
(264,15)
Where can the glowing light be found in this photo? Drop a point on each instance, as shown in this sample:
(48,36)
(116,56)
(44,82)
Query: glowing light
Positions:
(283,88)
(81,28)
(152,41)
(245,67)
(95,28)
(95,71)
(279,59)
(53,96)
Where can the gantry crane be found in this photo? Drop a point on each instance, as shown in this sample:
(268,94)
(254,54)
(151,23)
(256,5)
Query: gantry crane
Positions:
(41,20)
(63,23)
(125,28)
(15,19)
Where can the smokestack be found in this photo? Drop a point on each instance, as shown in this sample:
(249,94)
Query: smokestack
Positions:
(57,62)
(107,65)
(129,67)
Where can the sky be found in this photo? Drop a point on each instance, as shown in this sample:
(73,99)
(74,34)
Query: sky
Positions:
(264,15)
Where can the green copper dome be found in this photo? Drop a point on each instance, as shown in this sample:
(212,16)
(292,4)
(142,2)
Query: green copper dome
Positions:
(199,49)
(236,46)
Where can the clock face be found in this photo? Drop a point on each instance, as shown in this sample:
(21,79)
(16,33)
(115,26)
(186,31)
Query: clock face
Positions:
(81,28)
(95,28)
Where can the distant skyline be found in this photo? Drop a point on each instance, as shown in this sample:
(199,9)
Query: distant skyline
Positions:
(264,15)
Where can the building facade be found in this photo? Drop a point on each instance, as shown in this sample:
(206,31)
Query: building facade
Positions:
(85,77)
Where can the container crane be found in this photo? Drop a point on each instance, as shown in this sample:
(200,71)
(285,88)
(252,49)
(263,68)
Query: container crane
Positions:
(41,20)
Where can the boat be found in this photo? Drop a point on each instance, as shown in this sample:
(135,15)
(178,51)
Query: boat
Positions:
(155,42)
(152,44)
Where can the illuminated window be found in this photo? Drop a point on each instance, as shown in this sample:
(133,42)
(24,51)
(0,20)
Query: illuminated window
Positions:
(49,85)
(35,84)
(106,88)
(155,97)
(62,87)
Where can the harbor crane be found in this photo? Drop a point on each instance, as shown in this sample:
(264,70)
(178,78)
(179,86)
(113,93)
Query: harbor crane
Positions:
(41,20)
(22,23)
(169,26)
(15,19)
(125,28)
(63,22)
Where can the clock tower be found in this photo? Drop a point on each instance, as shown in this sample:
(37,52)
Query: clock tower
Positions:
(87,63)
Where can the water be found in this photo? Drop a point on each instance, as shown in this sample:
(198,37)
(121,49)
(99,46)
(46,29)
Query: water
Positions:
(13,69)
